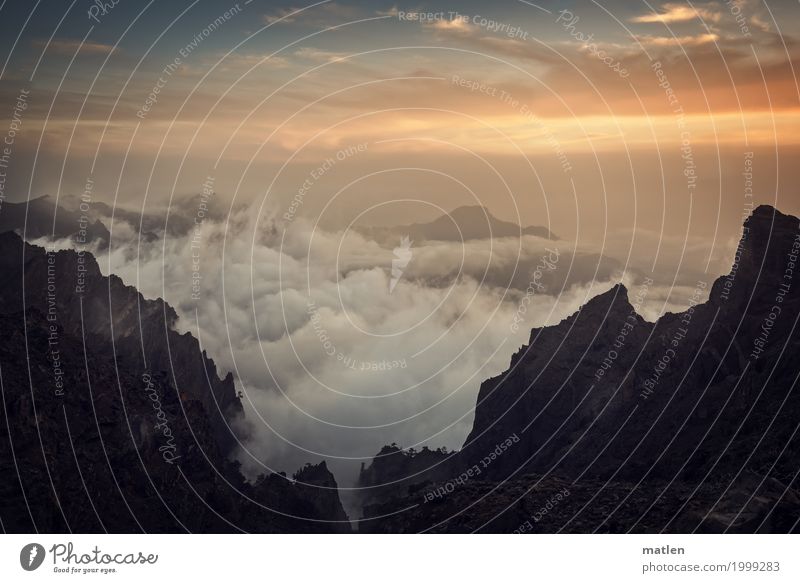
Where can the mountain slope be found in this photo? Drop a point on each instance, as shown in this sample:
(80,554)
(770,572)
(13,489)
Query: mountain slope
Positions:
(112,421)
(68,285)
(698,410)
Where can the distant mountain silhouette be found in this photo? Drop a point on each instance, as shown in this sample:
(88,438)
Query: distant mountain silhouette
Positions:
(689,423)
(41,217)
(464,223)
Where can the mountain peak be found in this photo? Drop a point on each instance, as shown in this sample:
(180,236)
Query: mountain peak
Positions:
(769,213)
(616,296)
(766,209)
(472,209)
(760,259)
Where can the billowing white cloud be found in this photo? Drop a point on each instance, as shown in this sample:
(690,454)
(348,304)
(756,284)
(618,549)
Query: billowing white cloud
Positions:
(333,363)
(340,368)
(678,41)
(676,12)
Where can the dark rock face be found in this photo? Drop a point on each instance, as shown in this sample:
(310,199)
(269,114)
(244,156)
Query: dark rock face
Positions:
(101,433)
(319,492)
(396,470)
(537,504)
(696,413)
(68,286)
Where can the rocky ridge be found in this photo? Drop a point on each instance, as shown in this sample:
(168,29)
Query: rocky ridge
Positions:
(683,408)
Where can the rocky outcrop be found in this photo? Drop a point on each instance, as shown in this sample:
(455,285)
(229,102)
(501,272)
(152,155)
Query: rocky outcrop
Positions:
(112,421)
(689,404)
(68,287)
(317,487)
(606,394)
(398,472)
(531,503)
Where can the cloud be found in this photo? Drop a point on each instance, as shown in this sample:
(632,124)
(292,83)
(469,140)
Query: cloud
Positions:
(286,15)
(320,15)
(393,11)
(64,46)
(477,37)
(677,41)
(332,364)
(761,24)
(458,26)
(319,55)
(674,12)
(235,63)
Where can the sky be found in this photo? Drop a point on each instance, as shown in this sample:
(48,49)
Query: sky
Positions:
(641,131)
(259,93)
